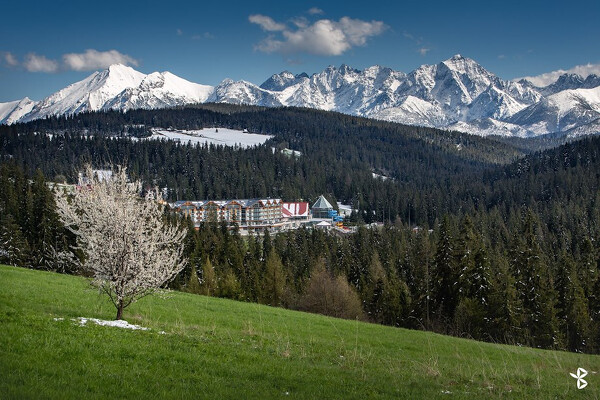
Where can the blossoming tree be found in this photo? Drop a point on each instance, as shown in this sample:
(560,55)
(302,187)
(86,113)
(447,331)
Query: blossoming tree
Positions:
(129,249)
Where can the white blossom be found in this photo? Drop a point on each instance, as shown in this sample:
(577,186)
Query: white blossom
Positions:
(129,250)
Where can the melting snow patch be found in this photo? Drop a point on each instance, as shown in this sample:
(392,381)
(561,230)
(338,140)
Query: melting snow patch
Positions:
(118,323)
(217,136)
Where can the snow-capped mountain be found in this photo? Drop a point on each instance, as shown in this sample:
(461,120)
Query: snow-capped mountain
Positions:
(119,87)
(457,94)
(160,90)
(13,111)
(90,94)
(560,112)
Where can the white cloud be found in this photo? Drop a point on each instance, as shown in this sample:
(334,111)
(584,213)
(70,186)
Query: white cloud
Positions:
(179,32)
(37,63)
(358,31)
(300,22)
(10,59)
(93,59)
(423,51)
(316,11)
(551,77)
(324,37)
(266,23)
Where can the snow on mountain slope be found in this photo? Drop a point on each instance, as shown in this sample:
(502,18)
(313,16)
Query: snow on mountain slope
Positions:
(243,92)
(492,103)
(593,128)
(12,111)
(560,112)
(490,126)
(279,82)
(414,111)
(90,94)
(160,90)
(457,93)
(7,108)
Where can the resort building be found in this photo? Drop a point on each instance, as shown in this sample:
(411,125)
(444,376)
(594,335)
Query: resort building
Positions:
(322,208)
(296,214)
(256,215)
(250,215)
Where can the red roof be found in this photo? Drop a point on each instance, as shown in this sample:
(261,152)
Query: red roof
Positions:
(291,210)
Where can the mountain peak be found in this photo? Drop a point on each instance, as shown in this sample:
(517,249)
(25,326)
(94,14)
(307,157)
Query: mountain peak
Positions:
(457,59)
(118,77)
(280,81)
(119,68)
(344,69)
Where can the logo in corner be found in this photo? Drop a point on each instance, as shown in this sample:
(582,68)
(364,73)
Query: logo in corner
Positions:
(581,373)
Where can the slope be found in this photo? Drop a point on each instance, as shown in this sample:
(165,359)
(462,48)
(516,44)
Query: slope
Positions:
(214,348)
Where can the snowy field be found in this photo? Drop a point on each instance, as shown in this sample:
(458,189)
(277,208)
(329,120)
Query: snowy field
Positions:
(218,136)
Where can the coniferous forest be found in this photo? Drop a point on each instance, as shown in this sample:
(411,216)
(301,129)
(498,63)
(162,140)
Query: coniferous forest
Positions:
(480,238)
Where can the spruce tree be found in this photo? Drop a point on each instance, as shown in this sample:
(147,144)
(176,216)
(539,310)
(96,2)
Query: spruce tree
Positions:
(274,280)
(572,306)
(209,279)
(445,274)
(534,285)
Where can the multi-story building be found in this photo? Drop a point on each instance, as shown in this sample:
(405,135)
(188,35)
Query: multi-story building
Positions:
(250,215)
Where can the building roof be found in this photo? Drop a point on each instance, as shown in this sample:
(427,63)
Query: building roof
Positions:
(322,204)
(222,203)
(291,210)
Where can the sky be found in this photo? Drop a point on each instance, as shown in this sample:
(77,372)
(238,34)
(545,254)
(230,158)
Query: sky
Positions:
(47,45)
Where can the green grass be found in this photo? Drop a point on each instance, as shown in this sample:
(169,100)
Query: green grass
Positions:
(215,348)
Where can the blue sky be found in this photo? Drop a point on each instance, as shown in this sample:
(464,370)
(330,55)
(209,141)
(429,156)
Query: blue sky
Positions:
(48,45)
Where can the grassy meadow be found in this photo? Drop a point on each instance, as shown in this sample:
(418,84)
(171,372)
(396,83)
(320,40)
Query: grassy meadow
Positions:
(200,347)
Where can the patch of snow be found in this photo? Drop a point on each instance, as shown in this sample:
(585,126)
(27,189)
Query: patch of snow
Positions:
(117,324)
(217,136)
(382,177)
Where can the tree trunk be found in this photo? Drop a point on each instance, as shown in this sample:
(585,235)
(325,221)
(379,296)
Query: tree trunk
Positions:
(120,310)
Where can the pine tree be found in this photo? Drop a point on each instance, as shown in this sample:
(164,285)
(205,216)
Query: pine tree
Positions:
(445,275)
(209,281)
(473,263)
(273,281)
(14,249)
(534,286)
(505,314)
(193,283)
(572,306)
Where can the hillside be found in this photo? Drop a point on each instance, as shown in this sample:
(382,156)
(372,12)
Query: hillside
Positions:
(340,155)
(216,348)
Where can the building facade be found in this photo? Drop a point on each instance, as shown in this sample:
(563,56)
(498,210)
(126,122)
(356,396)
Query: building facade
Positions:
(249,215)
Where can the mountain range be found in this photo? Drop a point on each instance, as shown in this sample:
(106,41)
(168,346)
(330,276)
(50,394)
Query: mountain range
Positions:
(456,94)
